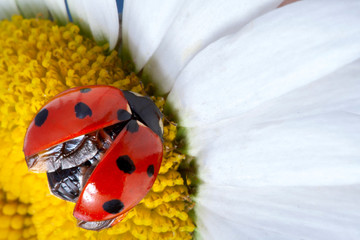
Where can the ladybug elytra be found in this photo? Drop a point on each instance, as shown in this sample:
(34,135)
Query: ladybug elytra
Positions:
(101,148)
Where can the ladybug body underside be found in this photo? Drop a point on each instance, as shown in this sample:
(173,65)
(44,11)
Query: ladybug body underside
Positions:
(86,167)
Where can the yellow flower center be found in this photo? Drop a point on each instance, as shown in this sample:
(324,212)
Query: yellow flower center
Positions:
(38,60)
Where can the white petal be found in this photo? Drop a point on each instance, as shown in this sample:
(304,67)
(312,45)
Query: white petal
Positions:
(198,24)
(99,17)
(33,8)
(8,8)
(318,150)
(277,53)
(57,9)
(307,137)
(79,16)
(289,169)
(144,25)
(279,213)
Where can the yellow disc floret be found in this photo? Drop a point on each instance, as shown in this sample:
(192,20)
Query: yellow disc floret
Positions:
(15,220)
(39,59)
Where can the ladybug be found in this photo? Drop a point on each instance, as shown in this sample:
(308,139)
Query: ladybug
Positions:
(101,148)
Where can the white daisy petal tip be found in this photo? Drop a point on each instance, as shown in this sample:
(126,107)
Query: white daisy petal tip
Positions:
(8,8)
(144,24)
(33,8)
(99,19)
(58,11)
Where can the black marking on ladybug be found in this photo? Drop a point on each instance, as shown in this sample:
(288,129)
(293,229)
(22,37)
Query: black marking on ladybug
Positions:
(123,115)
(85,90)
(150,170)
(41,117)
(146,111)
(82,110)
(125,164)
(113,206)
(132,126)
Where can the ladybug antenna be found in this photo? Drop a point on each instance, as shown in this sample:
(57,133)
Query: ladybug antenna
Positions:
(166,119)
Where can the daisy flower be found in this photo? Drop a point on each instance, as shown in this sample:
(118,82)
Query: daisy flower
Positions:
(266,93)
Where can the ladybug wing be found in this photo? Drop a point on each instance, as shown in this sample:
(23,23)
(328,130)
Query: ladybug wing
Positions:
(69,115)
(124,175)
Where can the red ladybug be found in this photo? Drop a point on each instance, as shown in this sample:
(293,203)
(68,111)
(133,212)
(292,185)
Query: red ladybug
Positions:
(101,148)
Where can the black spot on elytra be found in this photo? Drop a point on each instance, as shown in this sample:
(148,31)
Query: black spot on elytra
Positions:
(150,170)
(82,110)
(123,115)
(113,206)
(132,126)
(41,117)
(125,164)
(85,90)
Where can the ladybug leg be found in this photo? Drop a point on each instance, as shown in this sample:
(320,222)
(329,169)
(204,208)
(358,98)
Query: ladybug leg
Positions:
(114,130)
(95,225)
(119,218)
(106,139)
(99,225)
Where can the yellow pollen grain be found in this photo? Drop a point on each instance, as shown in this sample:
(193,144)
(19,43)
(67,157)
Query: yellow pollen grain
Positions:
(38,60)
(16,222)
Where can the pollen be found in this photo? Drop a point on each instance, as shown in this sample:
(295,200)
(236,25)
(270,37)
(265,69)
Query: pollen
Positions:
(39,59)
(16,221)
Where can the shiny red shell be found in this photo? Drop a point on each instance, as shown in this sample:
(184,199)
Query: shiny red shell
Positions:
(119,183)
(129,167)
(58,122)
